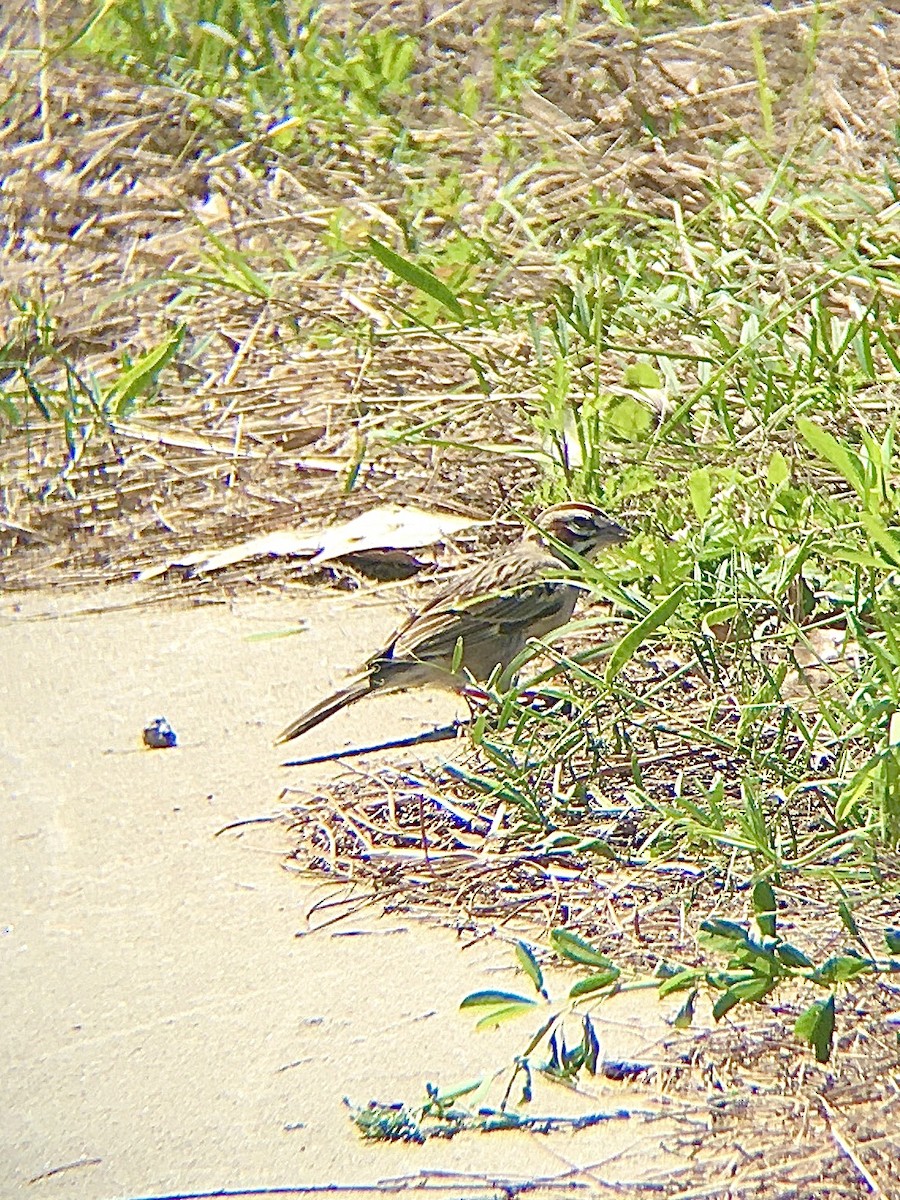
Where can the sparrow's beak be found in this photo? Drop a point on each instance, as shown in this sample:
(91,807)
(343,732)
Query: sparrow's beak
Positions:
(618,533)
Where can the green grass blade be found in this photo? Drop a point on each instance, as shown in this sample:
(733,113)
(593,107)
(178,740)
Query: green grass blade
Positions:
(635,637)
(882,537)
(142,374)
(828,448)
(416,276)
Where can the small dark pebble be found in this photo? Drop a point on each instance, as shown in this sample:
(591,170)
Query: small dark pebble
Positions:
(159,735)
(621,1069)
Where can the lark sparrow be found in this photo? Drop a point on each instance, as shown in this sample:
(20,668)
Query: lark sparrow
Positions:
(484,617)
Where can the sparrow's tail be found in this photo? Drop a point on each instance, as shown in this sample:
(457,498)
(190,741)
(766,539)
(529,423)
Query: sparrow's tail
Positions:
(358,687)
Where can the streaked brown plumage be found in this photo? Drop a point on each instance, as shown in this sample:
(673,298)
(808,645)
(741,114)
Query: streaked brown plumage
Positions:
(489,612)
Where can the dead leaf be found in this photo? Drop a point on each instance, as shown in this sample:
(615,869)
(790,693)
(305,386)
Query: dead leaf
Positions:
(387,527)
(825,656)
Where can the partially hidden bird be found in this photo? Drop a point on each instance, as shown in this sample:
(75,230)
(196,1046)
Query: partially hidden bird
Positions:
(484,616)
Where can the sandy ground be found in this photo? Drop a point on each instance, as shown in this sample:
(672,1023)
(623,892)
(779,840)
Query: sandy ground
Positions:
(169,1024)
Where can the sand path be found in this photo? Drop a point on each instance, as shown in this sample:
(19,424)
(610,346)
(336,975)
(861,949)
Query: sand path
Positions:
(165,1029)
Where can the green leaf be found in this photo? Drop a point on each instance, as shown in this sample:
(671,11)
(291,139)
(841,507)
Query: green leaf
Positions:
(501,1006)
(892,940)
(725,1003)
(636,636)
(417,277)
(761,959)
(879,533)
(591,1045)
(778,472)
(35,394)
(596,846)
(847,918)
(641,375)
(628,419)
(841,968)
(791,956)
(816,1026)
(233,266)
(617,13)
(752,990)
(844,461)
(594,983)
(530,966)
(855,789)
(10,410)
(718,616)
(679,981)
(445,1097)
(456,661)
(484,999)
(700,491)
(747,991)
(576,949)
(498,1016)
(573,1059)
(765,906)
(141,376)
(884,337)
(724,935)
(860,558)
(685,1014)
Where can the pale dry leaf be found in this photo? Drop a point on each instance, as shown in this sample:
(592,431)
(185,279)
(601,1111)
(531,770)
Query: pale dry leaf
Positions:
(824,657)
(387,527)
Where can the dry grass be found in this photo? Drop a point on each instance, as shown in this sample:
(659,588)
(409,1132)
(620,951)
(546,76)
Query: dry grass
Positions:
(109,188)
(757,1118)
(116,203)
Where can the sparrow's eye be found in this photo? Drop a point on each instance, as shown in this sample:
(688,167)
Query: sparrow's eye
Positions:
(582,524)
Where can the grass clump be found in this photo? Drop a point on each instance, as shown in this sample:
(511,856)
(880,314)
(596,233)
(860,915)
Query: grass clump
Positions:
(275,73)
(716,363)
(44,383)
(631,255)
(758,964)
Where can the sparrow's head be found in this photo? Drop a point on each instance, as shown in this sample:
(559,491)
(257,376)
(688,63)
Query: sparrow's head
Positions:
(581,527)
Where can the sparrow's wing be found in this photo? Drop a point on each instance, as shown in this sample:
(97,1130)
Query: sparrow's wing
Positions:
(498,599)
